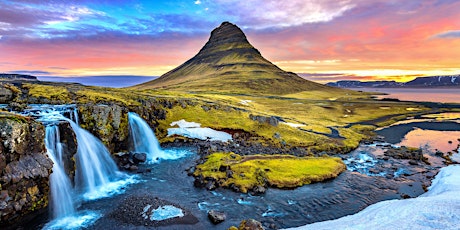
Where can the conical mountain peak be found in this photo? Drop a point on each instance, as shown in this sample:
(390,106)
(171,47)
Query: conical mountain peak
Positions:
(227,32)
(229,63)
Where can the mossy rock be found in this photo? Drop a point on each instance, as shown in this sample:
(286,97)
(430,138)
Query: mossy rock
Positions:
(247,173)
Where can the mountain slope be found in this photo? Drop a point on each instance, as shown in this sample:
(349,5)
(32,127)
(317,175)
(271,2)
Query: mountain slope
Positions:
(229,63)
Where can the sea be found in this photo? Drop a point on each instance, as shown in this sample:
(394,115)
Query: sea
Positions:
(442,95)
(118,81)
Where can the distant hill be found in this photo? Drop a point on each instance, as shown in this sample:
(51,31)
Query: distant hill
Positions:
(229,63)
(16,77)
(433,81)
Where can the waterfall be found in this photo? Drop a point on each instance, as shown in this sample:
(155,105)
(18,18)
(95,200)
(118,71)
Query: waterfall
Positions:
(143,138)
(95,167)
(62,204)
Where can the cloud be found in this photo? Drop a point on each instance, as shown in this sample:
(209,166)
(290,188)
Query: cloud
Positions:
(275,13)
(448,34)
(30,72)
(197,2)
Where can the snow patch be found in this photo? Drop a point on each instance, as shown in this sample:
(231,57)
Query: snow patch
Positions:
(245,102)
(294,125)
(162,213)
(194,130)
(436,209)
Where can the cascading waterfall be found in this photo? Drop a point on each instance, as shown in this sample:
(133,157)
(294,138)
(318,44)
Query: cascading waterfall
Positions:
(95,167)
(96,176)
(62,203)
(143,138)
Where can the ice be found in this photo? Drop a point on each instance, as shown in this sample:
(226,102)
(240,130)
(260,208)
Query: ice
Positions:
(166,212)
(194,130)
(436,209)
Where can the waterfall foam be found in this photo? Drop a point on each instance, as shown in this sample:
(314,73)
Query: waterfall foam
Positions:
(145,141)
(95,167)
(96,176)
(62,204)
(143,138)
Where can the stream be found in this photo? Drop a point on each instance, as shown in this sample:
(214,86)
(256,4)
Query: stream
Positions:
(371,177)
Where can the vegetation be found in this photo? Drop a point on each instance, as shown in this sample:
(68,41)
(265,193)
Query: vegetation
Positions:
(58,93)
(281,171)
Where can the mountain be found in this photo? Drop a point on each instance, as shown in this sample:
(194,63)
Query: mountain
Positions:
(229,63)
(365,84)
(453,80)
(419,82)
(16,77)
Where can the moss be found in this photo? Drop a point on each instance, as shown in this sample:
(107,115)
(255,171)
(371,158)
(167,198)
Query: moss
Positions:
(49,92)
(101,95)
(281,171)
(14,117)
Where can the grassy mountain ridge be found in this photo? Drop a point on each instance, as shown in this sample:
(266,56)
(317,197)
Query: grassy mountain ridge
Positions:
(229,63)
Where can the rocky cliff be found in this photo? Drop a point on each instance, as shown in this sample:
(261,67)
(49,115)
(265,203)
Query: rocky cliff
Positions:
(24,168)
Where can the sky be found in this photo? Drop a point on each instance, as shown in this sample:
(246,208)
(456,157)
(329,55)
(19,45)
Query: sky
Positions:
(322,40)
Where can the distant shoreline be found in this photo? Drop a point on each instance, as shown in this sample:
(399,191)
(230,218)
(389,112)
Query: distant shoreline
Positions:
(114,81)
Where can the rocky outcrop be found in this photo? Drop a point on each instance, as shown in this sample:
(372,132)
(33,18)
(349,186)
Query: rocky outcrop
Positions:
(108,122)
(216,217)
(273,121)
(249,224)
(24,169)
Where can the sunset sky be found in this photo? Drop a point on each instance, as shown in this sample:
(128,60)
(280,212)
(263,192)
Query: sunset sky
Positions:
(323,40)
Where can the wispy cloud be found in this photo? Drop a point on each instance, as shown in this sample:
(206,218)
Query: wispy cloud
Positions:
(275,13)
(448,34)
(30,72)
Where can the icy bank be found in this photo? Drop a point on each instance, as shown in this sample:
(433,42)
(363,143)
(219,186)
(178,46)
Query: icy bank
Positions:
(194,130)
(436,209)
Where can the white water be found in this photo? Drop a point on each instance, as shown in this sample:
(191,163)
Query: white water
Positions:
(62,204)
(145,141)
(95,168)
(143,138)
(96,176)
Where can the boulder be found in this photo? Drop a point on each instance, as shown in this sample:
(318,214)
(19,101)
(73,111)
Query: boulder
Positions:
(139,158)
(250,224)
(216,217)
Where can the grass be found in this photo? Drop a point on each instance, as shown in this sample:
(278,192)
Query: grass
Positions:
(281,171)
(49,92)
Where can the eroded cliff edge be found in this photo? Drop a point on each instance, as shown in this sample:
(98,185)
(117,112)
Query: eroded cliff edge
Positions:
(25,168)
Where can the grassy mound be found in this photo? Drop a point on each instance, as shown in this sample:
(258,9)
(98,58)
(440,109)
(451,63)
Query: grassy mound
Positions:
(281,171)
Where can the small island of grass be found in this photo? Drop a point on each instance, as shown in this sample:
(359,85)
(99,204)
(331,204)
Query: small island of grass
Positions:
(250,173)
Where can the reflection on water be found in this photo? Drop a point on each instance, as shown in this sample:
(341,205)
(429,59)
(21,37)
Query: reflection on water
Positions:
(418,94)
(444,141)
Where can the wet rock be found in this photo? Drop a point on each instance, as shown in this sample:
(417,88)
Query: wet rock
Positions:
(216,217)
(257,190)
(139,158)
(250,224)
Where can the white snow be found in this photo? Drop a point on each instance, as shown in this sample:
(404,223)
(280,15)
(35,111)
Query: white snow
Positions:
(294,125)
(166,212)
(439,208)
(245,102)
(194,130)
(185,124)
(456,156)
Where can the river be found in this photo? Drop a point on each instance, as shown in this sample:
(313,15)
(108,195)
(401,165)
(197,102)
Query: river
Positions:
(370,178)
